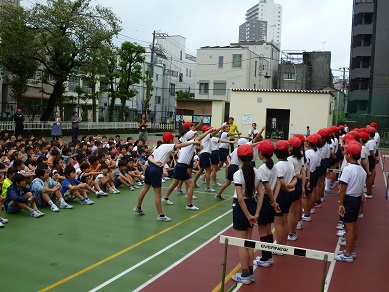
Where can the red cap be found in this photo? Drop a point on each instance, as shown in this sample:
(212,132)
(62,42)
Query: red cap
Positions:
(365,136)
(167,136)
(295,142)
(323,133)
(187,124)
(334,129)
(355,134)
(341,127)
(319,137)
(374,124)
(370,129)
(205,128)
(282,145)
(245,150)
(353,148)
(347,137)
(301,137)
(313,139)
(265,147)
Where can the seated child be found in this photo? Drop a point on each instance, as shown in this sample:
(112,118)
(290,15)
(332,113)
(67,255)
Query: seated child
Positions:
(105,179)
(120,176)
(72,187)
(7,182)
(87,177)
(57,170)
(134,172)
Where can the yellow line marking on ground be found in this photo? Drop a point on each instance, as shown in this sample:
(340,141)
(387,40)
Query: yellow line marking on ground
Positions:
(128,248)
(234,270)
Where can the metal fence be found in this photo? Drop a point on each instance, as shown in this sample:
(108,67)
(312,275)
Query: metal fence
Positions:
(42,126)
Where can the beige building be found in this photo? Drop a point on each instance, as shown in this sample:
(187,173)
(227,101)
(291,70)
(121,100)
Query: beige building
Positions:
(284,112)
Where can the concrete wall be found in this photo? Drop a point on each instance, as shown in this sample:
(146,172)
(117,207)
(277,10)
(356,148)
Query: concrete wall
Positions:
(306,109)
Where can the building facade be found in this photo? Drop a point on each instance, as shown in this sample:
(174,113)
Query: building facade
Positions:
(265,13)
(369,62)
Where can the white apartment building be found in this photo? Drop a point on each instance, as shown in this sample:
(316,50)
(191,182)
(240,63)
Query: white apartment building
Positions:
(253,29)
(241,65)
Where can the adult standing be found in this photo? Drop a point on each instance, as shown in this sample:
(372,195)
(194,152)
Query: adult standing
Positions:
(19,122)
(56,129)
(346,128)
(233,129)
(181,122)
(142,125)
(308,132)
(75,125)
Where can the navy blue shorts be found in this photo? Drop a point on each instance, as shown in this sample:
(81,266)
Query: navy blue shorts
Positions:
(223,153)
(266,215)
(231,170)
(284,200)
(239,220)
(296,194)
(117,182)
(153,176)
(215,157)
(181,172)
(352,206)
(205,160)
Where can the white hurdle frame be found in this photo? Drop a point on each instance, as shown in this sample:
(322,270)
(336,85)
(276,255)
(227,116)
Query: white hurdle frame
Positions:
(279,248)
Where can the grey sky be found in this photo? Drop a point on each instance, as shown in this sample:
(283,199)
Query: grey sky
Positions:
(306,24)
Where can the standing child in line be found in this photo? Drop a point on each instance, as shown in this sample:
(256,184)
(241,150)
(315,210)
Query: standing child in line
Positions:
(6,184)
(20,197)
(71,187)
(153,176)
(46,190)
(352,182)
(245,209)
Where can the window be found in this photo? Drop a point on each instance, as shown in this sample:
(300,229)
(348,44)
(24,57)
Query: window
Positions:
(255,68)
(180,77)
(190,73)
(156,77)
(289,76)
(236,61)
(187,71)
(203,88)
(219,88)
(221,61)
(172,89)
(180,55)
(157,100)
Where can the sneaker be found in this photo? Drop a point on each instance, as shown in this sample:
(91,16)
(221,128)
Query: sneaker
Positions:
(196,186)
(361,216)
(203,179)
(116,191)
(340,227)
(343,258)
(292,237)
(353,254)
(164,218)
(1,224)
(135,187)
(368,196)
(323,199)
(219,197)
(341,233)
(270,261)
(306,218)
(39,212)
(3,220)
(238,278)
(210,190)
(139,211)
(54,208)
(65,206)
(313,211)
(299,225)
(260,263)
(102,193)
(97,194)
(217,184)
(141,184)
(167,201)
(131,188)
(342,243)
(193,197)
(86,202)
(112,191)
(193,207)
(35,214)
(179,190)
(317,205)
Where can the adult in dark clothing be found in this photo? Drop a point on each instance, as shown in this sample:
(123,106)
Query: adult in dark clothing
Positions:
(142,125)
(75,125)
(19,122)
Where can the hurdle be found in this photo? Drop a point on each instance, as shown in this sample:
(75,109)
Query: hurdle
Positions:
(334,170)
(273,247)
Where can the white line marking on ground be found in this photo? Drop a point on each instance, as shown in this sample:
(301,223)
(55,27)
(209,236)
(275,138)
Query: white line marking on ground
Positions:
(181,260)
(156,254)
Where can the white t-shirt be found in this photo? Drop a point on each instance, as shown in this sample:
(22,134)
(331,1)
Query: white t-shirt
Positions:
(285,170)
(224,136)
(162,153)
(214,143)
(354,176)
(371,145)
(312,159)
(377,139)
(186,154)
(268,176)
(234,157)
(296,163)
(206,143)
(239,181)
(100,176)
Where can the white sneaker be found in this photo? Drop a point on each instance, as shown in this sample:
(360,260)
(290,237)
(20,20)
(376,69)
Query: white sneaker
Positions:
(238,278)
(260,263)
(210,190)
(3,220)
(116,191)
(102,193)
(343,258)
(193,207)
(353,254)
(217,184)
(35,214)
(164,218)
(341,233)
(306,218)
(54,208)
(361,216)
(167,201)
(193,197)
(65,206)
(313,211)
(1,224)
(112,191)
(39,212)
(292,237)
(340,227)
(299,225)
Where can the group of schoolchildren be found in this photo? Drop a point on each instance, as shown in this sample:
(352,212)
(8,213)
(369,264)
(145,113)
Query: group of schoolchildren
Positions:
(37,174)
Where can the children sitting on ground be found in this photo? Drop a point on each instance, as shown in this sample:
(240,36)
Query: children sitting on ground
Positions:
(105,180)
(88,177)
(73,188)
(120,176)
(6,184)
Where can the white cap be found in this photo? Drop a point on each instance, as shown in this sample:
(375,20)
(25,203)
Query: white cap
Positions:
(242,141)
(224,124)
(190,134)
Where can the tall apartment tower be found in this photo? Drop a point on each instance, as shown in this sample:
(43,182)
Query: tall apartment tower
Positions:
(263,23)
(369,62)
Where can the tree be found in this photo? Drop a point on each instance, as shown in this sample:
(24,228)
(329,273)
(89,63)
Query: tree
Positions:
(184,94)
(65,33)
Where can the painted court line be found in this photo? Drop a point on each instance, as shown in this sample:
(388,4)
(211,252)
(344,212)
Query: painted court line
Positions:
(60,282)
(182,259)
(156,254)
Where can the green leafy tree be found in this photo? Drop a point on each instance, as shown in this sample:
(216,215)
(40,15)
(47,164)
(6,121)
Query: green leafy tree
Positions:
(65,33)
(184,94)
(149,90)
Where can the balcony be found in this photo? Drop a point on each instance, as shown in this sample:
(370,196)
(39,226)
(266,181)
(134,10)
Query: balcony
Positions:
(362,29)
(361,52)
(360,73)
(358,95)
(364,8)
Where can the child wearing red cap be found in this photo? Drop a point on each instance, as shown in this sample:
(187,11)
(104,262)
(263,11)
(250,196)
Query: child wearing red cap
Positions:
(373,160)
(153,174)
(247,182)
(286,181)
(352,182)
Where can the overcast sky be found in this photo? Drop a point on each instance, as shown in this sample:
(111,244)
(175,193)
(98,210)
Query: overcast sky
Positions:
(306,24)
